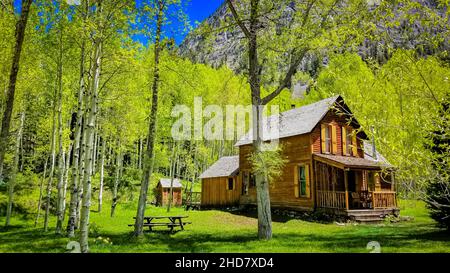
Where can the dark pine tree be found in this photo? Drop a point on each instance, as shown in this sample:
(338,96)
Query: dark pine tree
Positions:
(438,190)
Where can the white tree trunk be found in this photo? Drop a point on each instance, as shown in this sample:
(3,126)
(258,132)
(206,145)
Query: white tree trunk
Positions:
(94,153)
(61,164)
(66,179)
(102,175)
(52,167)
(12,181)
(75,184)
(41,189)
(116,180)
(91,109)
(172,175)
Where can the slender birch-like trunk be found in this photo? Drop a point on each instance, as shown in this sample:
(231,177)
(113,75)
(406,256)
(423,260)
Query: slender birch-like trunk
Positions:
(12,181)
(52,167)
(75,183)
(149,155)
(94,153)
(21,26)
(91,109)
(116,180)
(41,189)
(172,175)
(140,153)
(61,158)
(66,179)
(82,165)
(102,175)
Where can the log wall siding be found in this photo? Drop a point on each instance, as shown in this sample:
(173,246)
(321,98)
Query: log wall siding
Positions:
(297,150)
(338,121)
(215,192)
(163,197)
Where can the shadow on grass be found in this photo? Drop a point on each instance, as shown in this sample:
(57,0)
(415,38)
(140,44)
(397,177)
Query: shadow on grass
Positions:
(396,238)
(405,238)
(283,216)
(10,228)
(33,240)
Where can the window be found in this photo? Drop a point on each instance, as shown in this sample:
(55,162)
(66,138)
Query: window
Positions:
(327,139)
(348,140)
(327,134)
(246,182)
(252,180)
(230,183)
(302,181)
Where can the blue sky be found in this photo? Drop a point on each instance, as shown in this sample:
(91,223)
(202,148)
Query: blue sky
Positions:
(196,10)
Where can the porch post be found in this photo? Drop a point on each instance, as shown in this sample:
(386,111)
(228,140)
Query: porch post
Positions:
(346,188)
(393,187)
(392,181)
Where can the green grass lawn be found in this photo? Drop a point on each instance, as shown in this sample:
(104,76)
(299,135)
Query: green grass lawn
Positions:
(220,231)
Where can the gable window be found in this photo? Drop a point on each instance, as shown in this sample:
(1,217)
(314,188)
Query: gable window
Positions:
(252,180)
(246,182)
(347,140)
(230,185)
(328,138)
(301,181)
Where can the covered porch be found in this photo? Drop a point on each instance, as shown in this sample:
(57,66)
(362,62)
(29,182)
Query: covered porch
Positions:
(350,184)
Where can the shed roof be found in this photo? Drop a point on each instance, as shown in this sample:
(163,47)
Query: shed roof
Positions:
(294,122)
(225,166)
(368,162)
(369,155)
(165,183)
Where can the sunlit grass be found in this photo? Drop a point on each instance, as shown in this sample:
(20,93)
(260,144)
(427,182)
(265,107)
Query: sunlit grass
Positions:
(220,231)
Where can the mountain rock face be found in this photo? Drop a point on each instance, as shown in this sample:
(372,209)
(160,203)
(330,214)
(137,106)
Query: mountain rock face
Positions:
(226,47)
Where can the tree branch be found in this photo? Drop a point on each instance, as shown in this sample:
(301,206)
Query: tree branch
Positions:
(238,20)
(287,79)
(10,9)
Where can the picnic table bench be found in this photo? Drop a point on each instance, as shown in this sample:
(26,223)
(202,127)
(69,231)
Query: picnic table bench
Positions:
(174,221)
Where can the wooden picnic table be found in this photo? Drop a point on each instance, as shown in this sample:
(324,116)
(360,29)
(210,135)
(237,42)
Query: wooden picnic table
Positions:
(174,221)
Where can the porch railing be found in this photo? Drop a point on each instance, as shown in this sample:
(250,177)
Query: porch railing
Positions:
(331,199)
(384,199)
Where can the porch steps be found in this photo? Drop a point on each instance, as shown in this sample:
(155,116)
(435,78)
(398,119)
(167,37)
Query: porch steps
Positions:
(368,215)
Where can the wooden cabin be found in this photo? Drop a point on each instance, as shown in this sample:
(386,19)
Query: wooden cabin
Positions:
(331,166)
(162,192)
(220,183)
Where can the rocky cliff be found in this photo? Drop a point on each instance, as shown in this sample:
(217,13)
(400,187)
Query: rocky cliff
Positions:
(225,47)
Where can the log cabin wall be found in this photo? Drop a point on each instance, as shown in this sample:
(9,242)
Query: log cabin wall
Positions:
(215,191)
(297,150)
(339,121)
(164,193)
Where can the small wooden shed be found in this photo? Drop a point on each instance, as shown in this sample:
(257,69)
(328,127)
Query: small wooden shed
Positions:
(221,184)
(163,192)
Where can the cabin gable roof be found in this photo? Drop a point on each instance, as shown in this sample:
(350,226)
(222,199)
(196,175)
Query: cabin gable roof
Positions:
(301,120)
